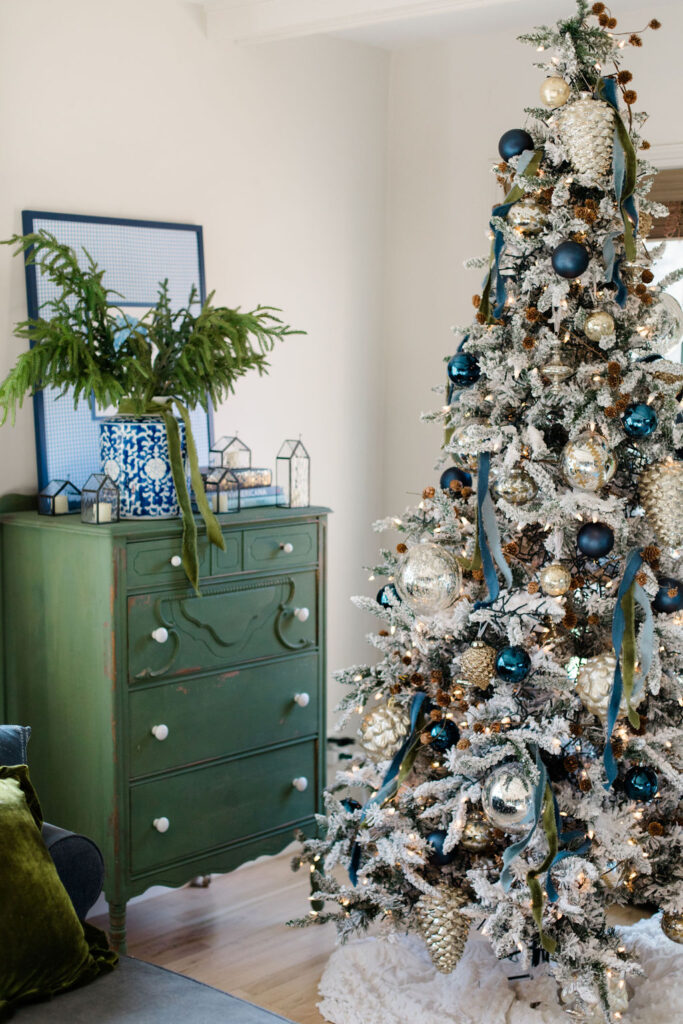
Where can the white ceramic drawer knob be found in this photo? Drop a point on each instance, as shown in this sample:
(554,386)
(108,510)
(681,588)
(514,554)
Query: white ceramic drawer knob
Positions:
(161,824)
(176,561)
(302,699)
(301,783)
(160,635)
(302,614)
(287,548)
(160,732)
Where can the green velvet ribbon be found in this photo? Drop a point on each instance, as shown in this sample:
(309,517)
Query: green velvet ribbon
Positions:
(175,456)
(628,652)
(548,818)
(607,91)
(470,564)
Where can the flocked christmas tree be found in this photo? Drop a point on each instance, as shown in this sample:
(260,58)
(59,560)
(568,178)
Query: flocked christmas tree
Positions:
(523,722)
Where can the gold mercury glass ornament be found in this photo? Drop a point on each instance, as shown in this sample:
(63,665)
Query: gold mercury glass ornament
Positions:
(555,92)
(527,216)
(515,486)
(672,926)
(477,664)
(594,685)
(588,462)
(555,579)
(661,494)
(384,729)
(598,325)
(478,834)
(587,129)
(557,369)
(443,927)
(592,1012)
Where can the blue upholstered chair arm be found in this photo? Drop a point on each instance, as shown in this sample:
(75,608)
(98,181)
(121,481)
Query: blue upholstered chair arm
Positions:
(79,865)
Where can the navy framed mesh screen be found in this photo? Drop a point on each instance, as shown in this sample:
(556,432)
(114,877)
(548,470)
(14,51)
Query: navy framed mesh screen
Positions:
(136,255)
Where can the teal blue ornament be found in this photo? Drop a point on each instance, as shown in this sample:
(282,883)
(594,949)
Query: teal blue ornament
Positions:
(669,597)
(350,805)
(437,856)
(570,259)
(383,595)
(641,783)
(454,475)
(443,735)
(512,664)
(463,369)
(639,420)
(514,142)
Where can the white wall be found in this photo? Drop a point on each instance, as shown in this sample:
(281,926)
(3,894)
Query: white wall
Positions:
(449,104)
(131,109)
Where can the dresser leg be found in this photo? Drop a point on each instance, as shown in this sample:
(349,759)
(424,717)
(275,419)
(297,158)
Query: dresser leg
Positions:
(117,926)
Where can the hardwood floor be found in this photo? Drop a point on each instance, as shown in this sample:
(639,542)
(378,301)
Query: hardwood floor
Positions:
(233,936)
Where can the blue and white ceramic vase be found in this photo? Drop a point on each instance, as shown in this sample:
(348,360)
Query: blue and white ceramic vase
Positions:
(134,453)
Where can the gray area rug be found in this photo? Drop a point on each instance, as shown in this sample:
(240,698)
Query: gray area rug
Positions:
(140,993)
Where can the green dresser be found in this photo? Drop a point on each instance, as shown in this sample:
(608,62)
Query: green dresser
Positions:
(184,734)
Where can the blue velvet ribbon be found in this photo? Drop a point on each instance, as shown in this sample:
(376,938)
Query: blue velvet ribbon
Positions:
(390,781)
(613,268)
(564,838)
(488,534)
(633,564)
(534,816)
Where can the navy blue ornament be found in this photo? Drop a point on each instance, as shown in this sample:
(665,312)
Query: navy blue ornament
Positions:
(663,601)
(570,259)
(595,540)
(453,475)
(443,735)
(641,783)
(639,420)
(514,142)
(383,595)
(350,805)
(463,369)
(437,839)
(512,664)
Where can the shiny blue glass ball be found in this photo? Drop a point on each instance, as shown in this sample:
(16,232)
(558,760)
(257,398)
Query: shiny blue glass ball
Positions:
(383,595)
(443,735)
(570,259)
(454,475)
(595,540)
(639,420)
(641,783)
(514,142)
(436,840)
(463,369)
(512,664)
(350,805)
(663,601)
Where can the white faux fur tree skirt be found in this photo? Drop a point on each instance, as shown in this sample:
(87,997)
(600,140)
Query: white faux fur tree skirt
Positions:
(391,980)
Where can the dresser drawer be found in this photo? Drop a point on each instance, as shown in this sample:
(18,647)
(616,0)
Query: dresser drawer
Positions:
(280,547)
(180,634)
(223,714)
(154,561)
(216,805)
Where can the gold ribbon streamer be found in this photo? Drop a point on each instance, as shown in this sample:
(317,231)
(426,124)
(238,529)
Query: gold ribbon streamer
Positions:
(549,944)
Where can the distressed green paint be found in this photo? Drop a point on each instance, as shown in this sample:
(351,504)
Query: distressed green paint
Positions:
(76,599)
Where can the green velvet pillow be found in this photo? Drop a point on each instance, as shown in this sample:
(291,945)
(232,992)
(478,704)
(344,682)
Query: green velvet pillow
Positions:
(44,948)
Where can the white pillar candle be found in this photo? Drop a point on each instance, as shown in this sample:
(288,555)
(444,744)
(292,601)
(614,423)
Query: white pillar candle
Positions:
(223,502)
(61,504)
(212,498)
(98,512)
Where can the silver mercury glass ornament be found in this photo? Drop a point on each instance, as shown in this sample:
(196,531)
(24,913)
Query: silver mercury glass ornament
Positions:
(598,325)
(515,486)
(507,798)
(555,579)
(557,369)
(429,578)
(588,462)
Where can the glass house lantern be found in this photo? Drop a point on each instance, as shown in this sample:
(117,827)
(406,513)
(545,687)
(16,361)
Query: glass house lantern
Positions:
(293,472)
(100,500)
(59,498)
(230,453)
(222,490)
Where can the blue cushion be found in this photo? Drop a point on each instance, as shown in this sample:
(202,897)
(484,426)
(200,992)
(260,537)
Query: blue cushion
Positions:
(13,740)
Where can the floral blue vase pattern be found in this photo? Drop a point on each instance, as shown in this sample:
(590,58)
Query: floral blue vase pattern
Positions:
(134,453)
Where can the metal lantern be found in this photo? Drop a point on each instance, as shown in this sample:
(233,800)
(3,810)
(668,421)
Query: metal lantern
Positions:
(230,453)
(59,498)
(293,472)
(222,489)
(100,500)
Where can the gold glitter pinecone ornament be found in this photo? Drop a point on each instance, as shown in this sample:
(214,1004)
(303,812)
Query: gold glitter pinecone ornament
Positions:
(383,730)
(661,495)
(587,131)
(477,664)
(443,927)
